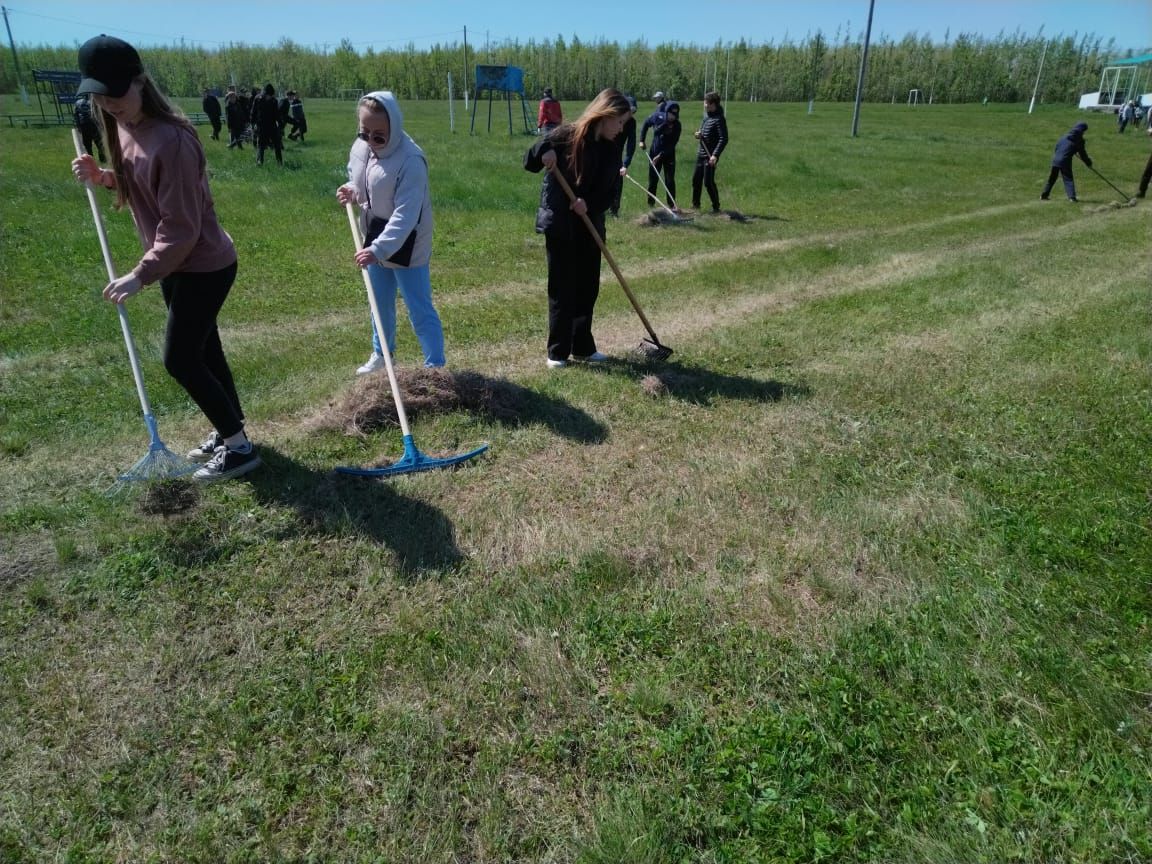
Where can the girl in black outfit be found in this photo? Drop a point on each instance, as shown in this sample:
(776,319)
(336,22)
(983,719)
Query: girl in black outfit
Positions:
(713,137)
(587,155)
(266,119)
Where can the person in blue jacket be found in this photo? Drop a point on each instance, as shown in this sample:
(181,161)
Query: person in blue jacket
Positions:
(665,126)
(1070,145)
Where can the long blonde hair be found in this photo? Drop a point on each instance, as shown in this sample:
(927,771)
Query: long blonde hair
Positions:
(609,102)
(154,104)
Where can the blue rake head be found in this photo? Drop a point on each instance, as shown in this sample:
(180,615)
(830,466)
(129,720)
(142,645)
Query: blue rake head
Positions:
(412,461)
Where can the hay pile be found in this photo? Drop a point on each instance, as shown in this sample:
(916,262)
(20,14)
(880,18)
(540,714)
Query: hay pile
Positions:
(369,407)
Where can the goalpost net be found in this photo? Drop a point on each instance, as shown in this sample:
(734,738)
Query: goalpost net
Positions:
(351,94)
(914,97)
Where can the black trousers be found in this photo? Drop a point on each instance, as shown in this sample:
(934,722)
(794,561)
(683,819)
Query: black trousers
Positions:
(193,354)
(215,121)
(264,140)
(1064,171)
(704,175)
(1146,177)
(573,286)
(669,168)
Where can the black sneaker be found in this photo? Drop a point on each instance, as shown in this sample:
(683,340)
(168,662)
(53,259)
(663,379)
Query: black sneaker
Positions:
(204,451)
(227,463)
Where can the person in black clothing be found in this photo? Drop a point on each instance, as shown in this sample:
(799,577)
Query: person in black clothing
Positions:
(1070,145)
(211,106)
(1146,177)
(626,141)
(86,124)
(296,117)
(283,107)
(266,119)
(713,137)
(237,120)
(587,156)
(665,135)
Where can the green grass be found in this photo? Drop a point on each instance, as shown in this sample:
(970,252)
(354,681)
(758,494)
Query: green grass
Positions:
(869,581)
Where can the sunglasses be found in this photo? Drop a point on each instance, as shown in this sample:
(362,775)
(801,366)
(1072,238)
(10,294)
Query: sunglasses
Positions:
(377,138)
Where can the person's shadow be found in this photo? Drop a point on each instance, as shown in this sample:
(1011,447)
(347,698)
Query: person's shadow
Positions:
(419,535)
(495,400)
(699,384)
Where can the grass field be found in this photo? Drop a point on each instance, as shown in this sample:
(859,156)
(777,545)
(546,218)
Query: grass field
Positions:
(869,581)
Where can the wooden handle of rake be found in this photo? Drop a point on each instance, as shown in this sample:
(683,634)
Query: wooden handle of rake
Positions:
(607,255)
(358,242)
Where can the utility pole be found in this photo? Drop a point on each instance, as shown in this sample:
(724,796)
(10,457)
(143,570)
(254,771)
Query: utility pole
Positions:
(15,59)
(466,68)
(863,70)
(1037,85)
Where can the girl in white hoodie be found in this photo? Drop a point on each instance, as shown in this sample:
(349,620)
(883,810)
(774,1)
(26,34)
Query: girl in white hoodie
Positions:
(388,180)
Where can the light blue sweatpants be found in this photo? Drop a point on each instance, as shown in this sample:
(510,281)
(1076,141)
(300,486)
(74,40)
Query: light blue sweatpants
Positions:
(415,284)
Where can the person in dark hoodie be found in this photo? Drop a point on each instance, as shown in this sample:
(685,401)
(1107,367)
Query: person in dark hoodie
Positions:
(266,119)
(586,154)
(388,181)
(1068,146)
(211,106)
(1146,177)
(665,126)
(713,138)
(626,141)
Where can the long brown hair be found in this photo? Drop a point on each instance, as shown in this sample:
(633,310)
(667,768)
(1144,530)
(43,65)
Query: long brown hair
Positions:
(608,103)
(154,104)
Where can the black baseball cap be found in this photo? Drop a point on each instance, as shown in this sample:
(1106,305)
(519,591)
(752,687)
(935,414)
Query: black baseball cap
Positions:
(108,66)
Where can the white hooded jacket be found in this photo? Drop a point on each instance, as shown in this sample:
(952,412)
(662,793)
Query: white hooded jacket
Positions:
(392,184)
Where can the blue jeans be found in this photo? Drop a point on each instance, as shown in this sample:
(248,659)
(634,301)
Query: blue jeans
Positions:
(415,284)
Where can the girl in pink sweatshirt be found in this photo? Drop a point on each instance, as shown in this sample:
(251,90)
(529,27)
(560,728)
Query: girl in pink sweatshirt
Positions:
(158,170)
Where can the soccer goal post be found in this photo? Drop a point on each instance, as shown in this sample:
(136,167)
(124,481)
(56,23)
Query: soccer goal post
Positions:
(350,94)
(913,97)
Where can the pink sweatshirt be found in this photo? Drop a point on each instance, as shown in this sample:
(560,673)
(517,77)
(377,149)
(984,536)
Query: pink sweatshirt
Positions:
(168,192)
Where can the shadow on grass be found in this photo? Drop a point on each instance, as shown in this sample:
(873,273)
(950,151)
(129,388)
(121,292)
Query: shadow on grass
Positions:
(369,406)
(421,536)
(700,385)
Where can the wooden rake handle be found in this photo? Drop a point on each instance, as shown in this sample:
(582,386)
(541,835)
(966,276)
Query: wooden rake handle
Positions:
(555,169)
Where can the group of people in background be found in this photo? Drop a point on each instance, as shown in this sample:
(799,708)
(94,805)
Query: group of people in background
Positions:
(261,118)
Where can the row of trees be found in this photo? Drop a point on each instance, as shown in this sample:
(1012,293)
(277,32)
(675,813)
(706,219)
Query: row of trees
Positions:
(965,69)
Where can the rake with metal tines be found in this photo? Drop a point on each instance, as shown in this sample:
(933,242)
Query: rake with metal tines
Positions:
(159,463)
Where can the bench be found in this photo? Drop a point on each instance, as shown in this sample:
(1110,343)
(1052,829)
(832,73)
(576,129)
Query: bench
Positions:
(37,121)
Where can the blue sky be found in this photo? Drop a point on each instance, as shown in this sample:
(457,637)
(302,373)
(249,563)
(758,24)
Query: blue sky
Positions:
(384,24)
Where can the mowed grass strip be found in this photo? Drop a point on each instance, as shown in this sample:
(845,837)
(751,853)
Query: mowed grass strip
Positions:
(866,578)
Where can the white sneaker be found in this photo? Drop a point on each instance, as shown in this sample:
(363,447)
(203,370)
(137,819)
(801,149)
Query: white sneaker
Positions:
(375,364)
(594,357)
(556,364)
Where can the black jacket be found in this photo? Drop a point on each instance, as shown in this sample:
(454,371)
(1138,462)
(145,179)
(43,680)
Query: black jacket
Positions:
(713,134)
(601,168)
(211,106)
(266,115)
(1071,145)
(666,128)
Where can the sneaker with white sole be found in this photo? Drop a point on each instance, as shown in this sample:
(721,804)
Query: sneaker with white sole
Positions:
(205,450)
(556,364)
(375,364)
(227,463)
(594,357)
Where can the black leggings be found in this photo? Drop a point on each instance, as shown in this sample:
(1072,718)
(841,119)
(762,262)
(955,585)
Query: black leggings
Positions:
(705,175)
(193,354)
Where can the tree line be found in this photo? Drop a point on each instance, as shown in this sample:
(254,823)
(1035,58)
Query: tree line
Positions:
(968,68)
